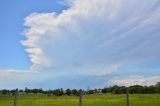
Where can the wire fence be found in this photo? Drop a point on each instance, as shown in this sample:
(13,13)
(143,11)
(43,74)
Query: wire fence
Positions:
(82,100)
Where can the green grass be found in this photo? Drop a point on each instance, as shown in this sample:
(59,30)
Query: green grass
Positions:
(91,100)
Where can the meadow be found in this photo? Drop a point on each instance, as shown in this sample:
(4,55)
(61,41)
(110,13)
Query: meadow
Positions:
(87,100)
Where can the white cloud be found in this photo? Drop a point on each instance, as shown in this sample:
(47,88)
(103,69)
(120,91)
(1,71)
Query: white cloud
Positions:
(99,71)
(95,30)
(12,79)
(135,80)
(92,38)
(65,3)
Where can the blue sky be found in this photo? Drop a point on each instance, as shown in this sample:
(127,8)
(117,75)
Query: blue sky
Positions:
(12,18)
(78,43)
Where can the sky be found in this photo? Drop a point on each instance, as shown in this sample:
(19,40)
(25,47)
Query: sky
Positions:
(79,43)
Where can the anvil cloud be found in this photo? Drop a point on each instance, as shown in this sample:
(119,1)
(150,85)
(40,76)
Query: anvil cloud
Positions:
(94,41)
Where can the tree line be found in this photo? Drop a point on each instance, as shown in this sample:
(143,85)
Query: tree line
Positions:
(136,89)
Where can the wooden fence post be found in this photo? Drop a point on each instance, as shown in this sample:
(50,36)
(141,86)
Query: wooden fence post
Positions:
(80,98)
(127,97)
(15,97)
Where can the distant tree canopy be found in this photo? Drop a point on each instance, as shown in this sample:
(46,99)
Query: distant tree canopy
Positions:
(68,92)
(158,84)
(136,89)
(58,92)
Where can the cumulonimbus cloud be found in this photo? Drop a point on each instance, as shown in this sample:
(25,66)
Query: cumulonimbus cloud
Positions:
(93,37)
(94,33)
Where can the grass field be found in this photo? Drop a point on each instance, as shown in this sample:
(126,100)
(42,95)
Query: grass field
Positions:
(91,100)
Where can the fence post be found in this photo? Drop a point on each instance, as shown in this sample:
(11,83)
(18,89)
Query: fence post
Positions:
(80,98)
(127,97)
(15,97)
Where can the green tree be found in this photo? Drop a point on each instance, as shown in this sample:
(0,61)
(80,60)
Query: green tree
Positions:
(74,92)
(68,92)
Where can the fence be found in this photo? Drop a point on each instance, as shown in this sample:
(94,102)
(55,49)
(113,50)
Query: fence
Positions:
(82,100)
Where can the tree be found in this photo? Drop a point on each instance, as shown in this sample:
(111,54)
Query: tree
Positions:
(4,91)
(74,92)
(35,91)
(158,84)
(122,89)
(104,90)
(40,90)
(68,92)
(58,92)
(26,90)
(21,90)
(91,92)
